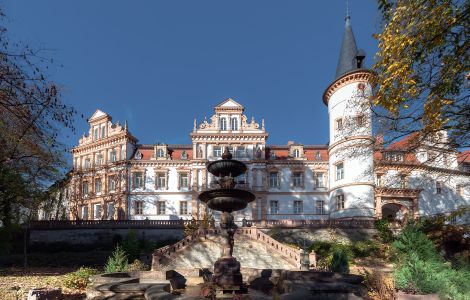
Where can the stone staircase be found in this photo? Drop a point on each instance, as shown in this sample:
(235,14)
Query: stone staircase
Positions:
(253,249)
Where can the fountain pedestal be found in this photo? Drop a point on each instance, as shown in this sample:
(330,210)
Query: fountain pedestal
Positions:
(227,276)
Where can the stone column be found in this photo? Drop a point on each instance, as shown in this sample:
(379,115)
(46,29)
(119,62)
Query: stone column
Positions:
(378,206)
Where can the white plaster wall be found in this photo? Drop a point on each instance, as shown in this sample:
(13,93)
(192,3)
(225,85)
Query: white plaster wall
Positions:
(359,202)
(172,205)
(286,206)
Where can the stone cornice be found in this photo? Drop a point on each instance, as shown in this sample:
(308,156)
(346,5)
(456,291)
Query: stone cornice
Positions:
(348,139)
(381,165)
(103,142)
(354,76)
(397,192)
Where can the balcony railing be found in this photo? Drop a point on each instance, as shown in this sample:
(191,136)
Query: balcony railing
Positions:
(155,224)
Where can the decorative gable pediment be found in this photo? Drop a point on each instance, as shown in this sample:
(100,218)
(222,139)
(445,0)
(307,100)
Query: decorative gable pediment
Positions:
(229,105)
(98,115)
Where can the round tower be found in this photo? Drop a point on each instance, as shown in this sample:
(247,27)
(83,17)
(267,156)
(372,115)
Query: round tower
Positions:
(351,163)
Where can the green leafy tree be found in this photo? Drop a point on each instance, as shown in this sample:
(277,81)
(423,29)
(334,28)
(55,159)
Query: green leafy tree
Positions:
(422,68)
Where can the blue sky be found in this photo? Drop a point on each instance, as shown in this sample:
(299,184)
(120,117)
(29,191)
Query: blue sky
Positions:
(159,64)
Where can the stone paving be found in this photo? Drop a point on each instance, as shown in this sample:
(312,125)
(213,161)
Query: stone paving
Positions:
(250,253)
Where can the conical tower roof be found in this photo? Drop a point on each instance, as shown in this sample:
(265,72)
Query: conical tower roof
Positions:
(347,56)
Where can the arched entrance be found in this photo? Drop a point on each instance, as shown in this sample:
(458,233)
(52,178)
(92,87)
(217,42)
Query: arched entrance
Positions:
(394,212)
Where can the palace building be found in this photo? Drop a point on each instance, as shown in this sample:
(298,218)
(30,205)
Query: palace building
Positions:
(353,176)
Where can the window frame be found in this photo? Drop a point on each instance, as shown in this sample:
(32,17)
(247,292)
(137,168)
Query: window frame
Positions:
(183,207)
(277,179)
(298,207)
(296,179)
(274,204)
(339,172)
(320,207)
(223,123)
(234,121)
(134,180)
(138,207)
(340,202)
(161,208)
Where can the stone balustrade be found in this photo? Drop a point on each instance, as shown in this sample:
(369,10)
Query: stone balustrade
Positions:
(291,254)
(323,223)
(70,224)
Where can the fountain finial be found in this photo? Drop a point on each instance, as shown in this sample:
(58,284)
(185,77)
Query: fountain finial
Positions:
(226,154)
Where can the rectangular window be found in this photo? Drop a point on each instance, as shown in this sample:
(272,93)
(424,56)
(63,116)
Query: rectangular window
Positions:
(139,207)
(97,211)
(183,207)
(103,132)
(112,156)
(85,188)
(99,159)
(319,181)
(378,180)
(274,207)
(217,151)
(97,185)
(112,183)
(274,179)
(339,124)
(339,171)
(320,207)
(298,179)
(184,181)
(123,153)
(161,208)
(138,180)
(240,152)
(298,207)
(339,202)
(438,187)
(87,163)
(360,120)
(161,181)
(95,133)
(110,210)
(84,212)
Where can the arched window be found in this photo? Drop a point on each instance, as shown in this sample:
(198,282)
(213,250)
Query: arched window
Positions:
(160,153)
(234,124)
(223,124)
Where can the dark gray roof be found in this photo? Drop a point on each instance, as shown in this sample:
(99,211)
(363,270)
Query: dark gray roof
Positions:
(347,56)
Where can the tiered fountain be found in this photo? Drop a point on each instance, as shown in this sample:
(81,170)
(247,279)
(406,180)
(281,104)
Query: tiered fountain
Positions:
(227,276)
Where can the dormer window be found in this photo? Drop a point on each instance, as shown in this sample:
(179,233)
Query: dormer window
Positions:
(103,131)
(184,155)
(95,134)
(234,124)
(318,155)
(160,153)
(296,153)
(223,123)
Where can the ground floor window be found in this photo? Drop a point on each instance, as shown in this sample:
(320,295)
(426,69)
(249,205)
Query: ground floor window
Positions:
(110,210)
(84,212)
(320,207)
(274,207)
(183,207)
(298,207)
(339,202)
(161,208)
(139,207)
(97,211)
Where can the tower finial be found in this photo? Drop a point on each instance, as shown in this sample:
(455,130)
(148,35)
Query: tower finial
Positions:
(348,17)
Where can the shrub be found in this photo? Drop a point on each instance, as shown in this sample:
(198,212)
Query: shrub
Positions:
(137,265)
(130,245)
(339,261)
(385,233)
(380,285)
(117,262)
(420,269)
(79,279)
(322,249)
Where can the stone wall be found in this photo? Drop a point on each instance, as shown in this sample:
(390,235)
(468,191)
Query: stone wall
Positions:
(99,236)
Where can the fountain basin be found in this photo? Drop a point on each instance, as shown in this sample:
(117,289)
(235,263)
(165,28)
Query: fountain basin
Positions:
(226,167)
(228,200)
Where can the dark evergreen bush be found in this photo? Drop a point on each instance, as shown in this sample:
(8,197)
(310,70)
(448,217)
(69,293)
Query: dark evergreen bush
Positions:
(339,261)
